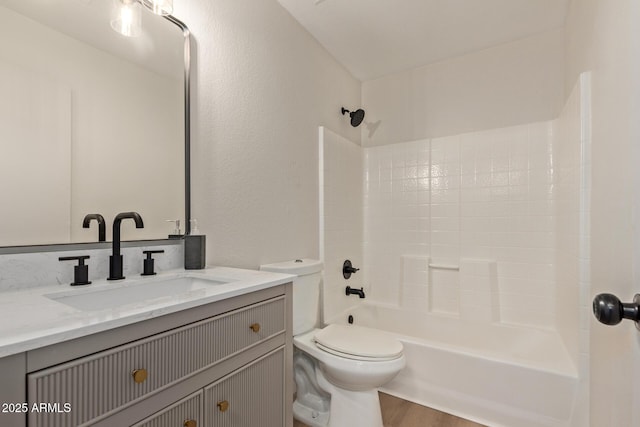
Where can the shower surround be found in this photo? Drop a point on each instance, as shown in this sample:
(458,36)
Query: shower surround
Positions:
(483,235)
(483,198)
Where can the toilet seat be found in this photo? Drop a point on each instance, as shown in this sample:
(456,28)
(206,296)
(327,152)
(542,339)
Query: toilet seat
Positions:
(348,371)
(358,343)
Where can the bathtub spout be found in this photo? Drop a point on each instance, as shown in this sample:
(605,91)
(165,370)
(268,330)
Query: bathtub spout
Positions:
(351,291)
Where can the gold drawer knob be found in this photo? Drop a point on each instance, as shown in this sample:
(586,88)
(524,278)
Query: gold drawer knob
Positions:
(139,375)
(223,406)
(255,327)
(190,423)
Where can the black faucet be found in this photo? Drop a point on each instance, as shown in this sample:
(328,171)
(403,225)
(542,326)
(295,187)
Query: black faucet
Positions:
(352,291)
(80,271)
(115,260)
(102,231)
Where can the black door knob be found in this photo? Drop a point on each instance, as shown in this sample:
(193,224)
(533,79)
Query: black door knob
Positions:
(609,310)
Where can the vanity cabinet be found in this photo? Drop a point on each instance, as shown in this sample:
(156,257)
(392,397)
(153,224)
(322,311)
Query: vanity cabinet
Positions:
(248,397)
(223,364)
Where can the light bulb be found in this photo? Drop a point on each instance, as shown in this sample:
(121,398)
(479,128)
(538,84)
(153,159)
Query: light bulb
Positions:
(162,7)
(126,17)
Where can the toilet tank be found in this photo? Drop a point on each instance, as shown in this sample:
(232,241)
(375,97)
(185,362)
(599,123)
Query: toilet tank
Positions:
(306,291)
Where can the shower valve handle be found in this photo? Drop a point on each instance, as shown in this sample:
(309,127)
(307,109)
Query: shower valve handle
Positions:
(609,310)
(348,269)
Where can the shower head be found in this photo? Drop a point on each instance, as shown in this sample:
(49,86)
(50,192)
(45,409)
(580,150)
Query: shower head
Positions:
(356,116)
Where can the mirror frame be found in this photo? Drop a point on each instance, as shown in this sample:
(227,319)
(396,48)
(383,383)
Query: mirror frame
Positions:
(55,247)
(187,120)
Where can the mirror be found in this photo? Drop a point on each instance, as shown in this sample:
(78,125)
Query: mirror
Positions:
(90,122)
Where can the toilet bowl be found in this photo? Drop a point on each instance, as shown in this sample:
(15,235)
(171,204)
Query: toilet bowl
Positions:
(354,369)
(337,368)
(350,378)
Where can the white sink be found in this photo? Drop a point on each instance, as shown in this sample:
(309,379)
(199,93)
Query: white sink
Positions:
(138,292)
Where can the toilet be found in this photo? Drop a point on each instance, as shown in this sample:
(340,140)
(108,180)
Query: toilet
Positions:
(337,368)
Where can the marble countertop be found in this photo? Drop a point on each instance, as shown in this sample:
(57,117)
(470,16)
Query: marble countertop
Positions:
(31,319)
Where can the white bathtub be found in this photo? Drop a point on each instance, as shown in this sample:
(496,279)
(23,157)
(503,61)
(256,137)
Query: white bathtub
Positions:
(495,374)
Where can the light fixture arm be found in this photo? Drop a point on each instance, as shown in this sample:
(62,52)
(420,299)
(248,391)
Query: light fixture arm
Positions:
(159,7)
(126,16)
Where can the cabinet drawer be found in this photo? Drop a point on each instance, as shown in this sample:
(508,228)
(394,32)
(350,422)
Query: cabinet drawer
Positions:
(185,413)
(251,396)
(107,381)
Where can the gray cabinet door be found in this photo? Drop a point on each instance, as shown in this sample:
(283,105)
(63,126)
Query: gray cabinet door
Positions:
(249,397)
(184,413)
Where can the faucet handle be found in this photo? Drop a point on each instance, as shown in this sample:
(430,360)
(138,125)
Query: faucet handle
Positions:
(148,263)
(80,271)
(348,269)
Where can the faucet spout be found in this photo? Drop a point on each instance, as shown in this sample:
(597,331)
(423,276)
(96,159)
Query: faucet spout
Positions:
(102,228)
(115,260)
(352,291)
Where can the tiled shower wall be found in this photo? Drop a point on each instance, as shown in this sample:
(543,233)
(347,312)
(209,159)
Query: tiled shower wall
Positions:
(483,199)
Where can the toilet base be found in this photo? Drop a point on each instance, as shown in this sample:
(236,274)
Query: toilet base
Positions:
(351,408)
(319,403)
(348,408)
(310,417)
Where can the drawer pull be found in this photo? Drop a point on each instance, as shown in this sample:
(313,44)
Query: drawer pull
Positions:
(139,375)
(223,406)
(255,327)
(190,423)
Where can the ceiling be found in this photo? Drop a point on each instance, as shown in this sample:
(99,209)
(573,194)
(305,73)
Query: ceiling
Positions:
(373,38)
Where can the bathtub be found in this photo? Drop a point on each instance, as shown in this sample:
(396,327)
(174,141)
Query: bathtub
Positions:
(494,374)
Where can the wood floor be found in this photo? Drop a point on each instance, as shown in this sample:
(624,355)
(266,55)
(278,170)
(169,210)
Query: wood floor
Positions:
(400,413)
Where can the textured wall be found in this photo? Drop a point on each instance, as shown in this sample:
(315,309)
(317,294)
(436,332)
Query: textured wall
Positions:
(263,85)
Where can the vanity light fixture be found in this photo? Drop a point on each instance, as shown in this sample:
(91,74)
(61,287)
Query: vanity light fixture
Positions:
(126,15)
(161,7)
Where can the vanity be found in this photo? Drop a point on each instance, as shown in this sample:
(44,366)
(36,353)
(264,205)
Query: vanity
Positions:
(216,350)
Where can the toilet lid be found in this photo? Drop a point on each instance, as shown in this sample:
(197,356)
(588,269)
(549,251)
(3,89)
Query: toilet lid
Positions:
(358,341)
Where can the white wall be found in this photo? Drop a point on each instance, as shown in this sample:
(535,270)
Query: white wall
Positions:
(512,84)
(572,190)
(602,37)
(35,130)
(263,85)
